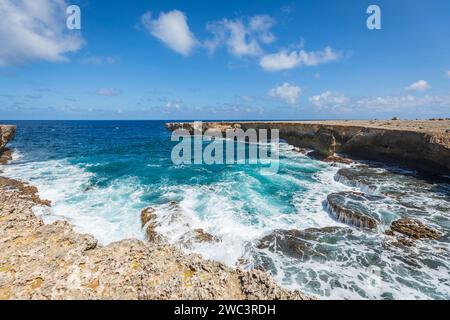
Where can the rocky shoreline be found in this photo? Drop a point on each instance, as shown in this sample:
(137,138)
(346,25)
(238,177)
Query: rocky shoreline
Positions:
(420,145)
(52,261)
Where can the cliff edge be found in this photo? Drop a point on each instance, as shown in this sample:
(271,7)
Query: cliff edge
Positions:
(421,145)
(7,133)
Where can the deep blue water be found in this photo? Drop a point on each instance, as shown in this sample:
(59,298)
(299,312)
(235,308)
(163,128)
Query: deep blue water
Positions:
(101,174)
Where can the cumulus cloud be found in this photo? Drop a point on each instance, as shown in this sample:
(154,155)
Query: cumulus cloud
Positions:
(448,74)
(242,38)
(420,85)
(286,92)
(172,29)
(329,99)
(284,60)
(35,30)
(107,92)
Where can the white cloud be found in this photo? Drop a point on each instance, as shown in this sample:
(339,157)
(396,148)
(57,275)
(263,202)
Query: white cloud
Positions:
(241,38)
(408,101)
(172,29)
(286,92)
(35,30)
(420,85)
(107,92)
(101,60)
(284,60)
(329,99)
(448,74)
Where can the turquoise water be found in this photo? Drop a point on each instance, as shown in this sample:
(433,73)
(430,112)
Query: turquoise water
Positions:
(99,175)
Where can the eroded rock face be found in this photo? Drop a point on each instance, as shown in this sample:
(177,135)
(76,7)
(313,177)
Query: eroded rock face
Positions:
(147,215)
(425,147)
(52,261)
(413,229)
(7,133)
(202,236)
(352,208)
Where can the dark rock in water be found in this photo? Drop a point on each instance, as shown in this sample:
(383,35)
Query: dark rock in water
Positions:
(351,208)
(360,177)
(412,229)
(303,244)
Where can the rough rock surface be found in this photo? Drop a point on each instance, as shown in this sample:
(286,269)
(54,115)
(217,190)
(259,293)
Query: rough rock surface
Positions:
(7,133)
(412,229)
(303,244)
(351,208)
(52,261)
(422,145)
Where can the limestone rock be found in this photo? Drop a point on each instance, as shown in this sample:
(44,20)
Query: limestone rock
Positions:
(412,229)
(147,215)
(7,133)
(352,208)
(51,261)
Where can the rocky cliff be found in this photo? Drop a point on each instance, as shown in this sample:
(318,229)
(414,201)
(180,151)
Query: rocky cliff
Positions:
(7,133)
(422,145)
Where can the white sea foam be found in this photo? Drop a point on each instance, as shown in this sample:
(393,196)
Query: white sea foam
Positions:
(236,211)
(110,213)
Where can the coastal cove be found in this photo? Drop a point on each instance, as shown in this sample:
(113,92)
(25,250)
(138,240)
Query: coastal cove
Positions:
(327,225)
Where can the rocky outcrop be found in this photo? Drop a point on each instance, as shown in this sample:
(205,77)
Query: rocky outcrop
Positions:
(422,145)
(52,261)
(412,229)
(353,208)
(302,244)
(7,133)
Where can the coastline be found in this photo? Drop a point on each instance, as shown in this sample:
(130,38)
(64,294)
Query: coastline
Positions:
(76,267)
(422,145)
(52,261)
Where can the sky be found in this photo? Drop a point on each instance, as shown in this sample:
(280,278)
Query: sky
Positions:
(224,60)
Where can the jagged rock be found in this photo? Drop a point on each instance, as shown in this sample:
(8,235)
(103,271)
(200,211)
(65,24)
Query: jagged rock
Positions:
(25,189)
(202,236)
(337,159)
(351,208)
(147,214)
(7,133)
(361,177)
(412,229)
(5,156)
(302,244)
(52,261)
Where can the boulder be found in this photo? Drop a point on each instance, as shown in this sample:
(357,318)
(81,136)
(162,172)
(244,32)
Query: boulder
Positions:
(7,133)
(353,208)
(147,214)
(303,244)
(412,229)
(202,236)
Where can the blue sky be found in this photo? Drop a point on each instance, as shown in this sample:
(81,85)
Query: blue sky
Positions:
(256,59)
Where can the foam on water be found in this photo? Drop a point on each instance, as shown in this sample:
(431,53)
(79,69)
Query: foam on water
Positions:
(110,213)
(239,205)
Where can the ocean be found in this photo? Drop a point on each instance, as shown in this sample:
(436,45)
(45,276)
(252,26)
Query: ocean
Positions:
(99,175)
